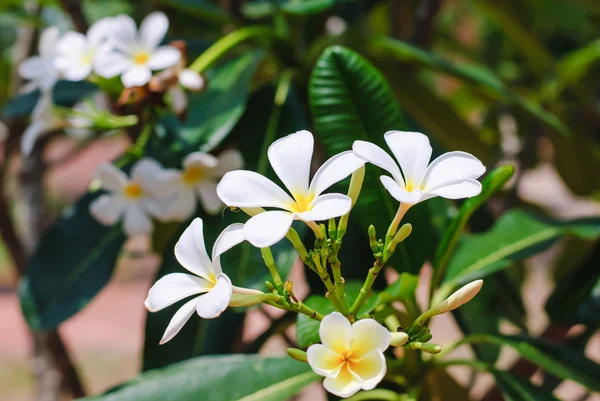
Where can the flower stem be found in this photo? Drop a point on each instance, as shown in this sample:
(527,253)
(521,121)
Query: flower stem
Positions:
(270,262)
(331,290)
(402,209)
(294,238)
(222,46)
(365,291)
(378,394)
(318,232)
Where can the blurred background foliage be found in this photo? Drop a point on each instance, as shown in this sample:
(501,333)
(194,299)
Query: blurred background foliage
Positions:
(512,81)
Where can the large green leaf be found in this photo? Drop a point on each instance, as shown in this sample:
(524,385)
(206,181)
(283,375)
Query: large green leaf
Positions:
(350,100)
(204,9)
(516,235)
(73,261)
(220,378)
(213,113)
(516,389)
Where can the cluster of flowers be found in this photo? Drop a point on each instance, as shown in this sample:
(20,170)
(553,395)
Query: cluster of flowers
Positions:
(351,355)
(113,46)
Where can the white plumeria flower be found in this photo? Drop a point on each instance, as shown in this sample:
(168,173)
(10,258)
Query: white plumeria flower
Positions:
(136,200)
(290,157)
(198,179)
(207,278)
(44,119)
(350,356)
(42,70)
(135,55)
(76,52)
(187,79)
(453,175)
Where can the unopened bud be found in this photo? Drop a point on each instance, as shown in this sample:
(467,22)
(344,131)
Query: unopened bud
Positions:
(459,298)
(250,297)
(400,236)
(425,337)
(297,354)
(431,348)
(356,184)
(372,237)
(398,339)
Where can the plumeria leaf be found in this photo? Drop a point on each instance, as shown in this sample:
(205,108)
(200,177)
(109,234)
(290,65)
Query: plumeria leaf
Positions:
(515,236)
(74,260)
(206,10)
(350,100)
(217,378)
(307,330)
(441,386)
(517,389)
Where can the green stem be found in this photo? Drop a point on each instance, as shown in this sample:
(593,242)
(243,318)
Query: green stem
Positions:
(331,290)
(402,209)
(294,238)
(270,262)
(223,45)
(378,394)
(336,268)
(365,291)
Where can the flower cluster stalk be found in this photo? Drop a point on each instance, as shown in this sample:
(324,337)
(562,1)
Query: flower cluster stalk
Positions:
(270,262)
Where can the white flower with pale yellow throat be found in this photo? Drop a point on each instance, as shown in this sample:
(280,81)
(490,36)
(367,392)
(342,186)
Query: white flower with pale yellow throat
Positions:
(134,55)
(350,356)
(207,278)
(198,180)
(290,157)
(136,200)
(453,175)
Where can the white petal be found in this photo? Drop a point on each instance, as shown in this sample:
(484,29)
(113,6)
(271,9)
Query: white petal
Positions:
(367,335)
(146,172)
(207,192)
(154,28)
(107,209)
(179,100)
(326,207)
(191,80)
(124,29)
(136,221)
(228,160)
(77,72)
(31,135)
(109,63)
(43,107)
(335,170)
(323,361)
(370,369)
(449,168)
(156,207)
(179,319)
(230,237)
(100,30)
(163,57)
(335,332)
(413,151)
(459,190)
(190,251)
(344,385)
(72,43)
(48,41)
(290,157)
(35,67)
(399,193)
(174,287)
(183,204)
(375,155)
(200,159)
(136,75)
(111,178)
(268,228)
(244,188)
(213,303)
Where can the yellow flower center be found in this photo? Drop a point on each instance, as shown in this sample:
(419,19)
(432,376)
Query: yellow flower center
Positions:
(133,191)
(141,57)
(411,186)
(193,174)
(302,203)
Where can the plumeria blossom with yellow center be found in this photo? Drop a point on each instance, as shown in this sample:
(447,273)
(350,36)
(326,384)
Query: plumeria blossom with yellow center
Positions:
(452,175)
(350,356)
(45,118)
(290,157)
(207,278)
(134,55)
(198,180)
(136,200)
(42,70)
(76,53)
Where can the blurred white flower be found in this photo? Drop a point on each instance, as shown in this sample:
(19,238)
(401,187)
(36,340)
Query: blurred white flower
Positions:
(453,175)
(198,179)
(42,70)
(44,119)
(290,157)
(207,278)
(187,79)
(134,55)
(350,356)
(76,52)
(136,200)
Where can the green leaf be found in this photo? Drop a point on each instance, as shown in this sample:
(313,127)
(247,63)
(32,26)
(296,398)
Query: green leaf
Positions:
(491,184)
(307,329)
(65,93)
(517,389)
(73,261)
(213,113)
(350,100)
(220,378)
(204,9)
(555,359)
(515,236)
(439,385)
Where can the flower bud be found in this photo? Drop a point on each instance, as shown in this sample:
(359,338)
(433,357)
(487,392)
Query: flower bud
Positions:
(356,184)
(372,237)
(400,236)
(250,297)
(459,298)
(398,339)
(297,354)
(431,348)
